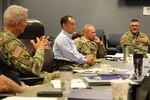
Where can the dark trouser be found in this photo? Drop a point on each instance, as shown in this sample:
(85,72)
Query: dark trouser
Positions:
(62,63)
(8,70)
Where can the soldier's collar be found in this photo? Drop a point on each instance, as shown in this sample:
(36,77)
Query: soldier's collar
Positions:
(85,38)
(4,30)
(135,34)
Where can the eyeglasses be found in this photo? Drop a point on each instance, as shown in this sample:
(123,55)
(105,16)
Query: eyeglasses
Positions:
(134,25)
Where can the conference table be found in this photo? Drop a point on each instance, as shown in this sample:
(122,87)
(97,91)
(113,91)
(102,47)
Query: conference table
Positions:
(48,86)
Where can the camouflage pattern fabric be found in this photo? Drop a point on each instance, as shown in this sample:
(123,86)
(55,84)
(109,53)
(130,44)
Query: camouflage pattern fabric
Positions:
(129,39)
(16,53)
(86,47)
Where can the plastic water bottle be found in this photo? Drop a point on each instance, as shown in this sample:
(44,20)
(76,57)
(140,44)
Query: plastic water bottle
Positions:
(126,52)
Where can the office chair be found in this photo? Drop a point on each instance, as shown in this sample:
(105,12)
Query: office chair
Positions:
(119,49)
(102,36)
(34,29)
(76,35)
(113,44)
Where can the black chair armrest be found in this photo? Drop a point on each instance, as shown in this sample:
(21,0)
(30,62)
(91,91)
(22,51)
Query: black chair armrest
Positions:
(119,49)
(32,80)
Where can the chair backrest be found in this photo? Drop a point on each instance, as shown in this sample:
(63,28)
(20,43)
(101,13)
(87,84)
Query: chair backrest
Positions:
(113,40)
(101,34)
(119,49)
(34,29)
(76,35)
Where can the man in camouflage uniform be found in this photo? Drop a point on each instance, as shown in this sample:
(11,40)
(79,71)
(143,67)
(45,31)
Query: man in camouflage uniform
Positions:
(89,43)
(13,49)
(134,38)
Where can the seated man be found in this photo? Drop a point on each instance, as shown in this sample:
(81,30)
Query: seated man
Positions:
(13,49)
(64,47)
(89,43)
(134,38)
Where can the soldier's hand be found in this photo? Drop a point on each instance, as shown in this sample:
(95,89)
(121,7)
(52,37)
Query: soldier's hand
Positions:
(97,40)
(28,88)
(143,40)
(55,74)
(42,43)
(90,59)
(46,39)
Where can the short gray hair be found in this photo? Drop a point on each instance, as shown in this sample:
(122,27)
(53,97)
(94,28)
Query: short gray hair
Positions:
(14,13)
(86,27)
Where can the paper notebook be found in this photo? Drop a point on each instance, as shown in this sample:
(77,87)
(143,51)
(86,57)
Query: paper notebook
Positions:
(103,79)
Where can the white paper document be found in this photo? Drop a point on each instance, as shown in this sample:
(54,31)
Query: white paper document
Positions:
(78,83)
(56,83)
(75,83)
(28,98)
(119,55)
(146,10)
(89,70)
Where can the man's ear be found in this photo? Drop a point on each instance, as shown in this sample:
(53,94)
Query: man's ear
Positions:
(17,24)
(63,25)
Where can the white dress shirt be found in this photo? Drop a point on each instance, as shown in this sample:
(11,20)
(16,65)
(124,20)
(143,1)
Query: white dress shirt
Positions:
(64,48)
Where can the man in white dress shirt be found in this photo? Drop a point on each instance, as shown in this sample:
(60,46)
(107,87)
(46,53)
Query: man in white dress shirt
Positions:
(64,47)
